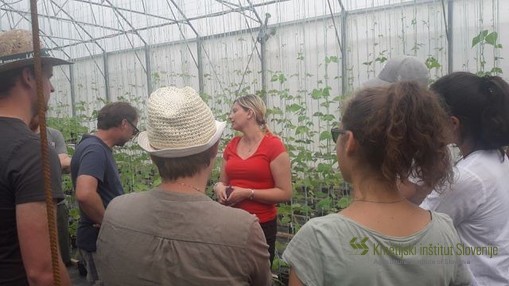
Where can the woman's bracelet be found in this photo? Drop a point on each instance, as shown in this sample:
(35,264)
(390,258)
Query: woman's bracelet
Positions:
(251,196)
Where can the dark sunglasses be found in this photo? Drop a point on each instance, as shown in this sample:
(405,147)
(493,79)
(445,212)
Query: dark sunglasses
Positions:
(336,132)
(135,129)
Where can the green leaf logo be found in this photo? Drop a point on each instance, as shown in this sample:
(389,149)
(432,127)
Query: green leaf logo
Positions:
(362,245)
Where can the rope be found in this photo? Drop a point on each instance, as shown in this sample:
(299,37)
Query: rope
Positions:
(50,207)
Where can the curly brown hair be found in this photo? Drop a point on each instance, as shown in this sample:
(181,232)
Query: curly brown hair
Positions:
(401,130)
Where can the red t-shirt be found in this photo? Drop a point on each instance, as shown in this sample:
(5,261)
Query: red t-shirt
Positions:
(254,173)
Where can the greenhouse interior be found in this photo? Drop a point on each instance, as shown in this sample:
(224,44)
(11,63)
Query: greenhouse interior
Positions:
(304,58)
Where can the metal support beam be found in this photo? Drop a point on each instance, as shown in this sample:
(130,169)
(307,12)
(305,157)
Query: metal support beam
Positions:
(344,56)
(60,19)
(450,44)
(201,84)
(127,10)
(185,18)
(262,38)
(169,23)
(263,61)
(23,15)
(73,90)
(149,69)
(106,75)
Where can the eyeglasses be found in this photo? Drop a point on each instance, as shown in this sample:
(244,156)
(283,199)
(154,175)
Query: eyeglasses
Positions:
(135,129)
(335,132)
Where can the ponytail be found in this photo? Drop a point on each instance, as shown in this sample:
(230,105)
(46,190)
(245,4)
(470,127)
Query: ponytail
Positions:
(482,106)
(401,130)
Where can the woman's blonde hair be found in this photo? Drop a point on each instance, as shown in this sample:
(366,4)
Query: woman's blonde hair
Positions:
(256,104)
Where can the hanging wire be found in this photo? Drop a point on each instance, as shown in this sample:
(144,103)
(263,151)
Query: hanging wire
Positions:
(334,24)
(78,28)
(182,32)
(119,14)
(247,67)
(50,206)
(445,21)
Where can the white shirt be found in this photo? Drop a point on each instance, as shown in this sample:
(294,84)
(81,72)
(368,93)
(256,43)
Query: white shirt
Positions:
(478,203)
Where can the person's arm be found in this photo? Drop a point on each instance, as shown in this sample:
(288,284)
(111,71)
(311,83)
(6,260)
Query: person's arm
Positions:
(304,253)
(88,198)
(33,235)
(61,148)
(65,162)
(282,191)
(294,280)
(220,186)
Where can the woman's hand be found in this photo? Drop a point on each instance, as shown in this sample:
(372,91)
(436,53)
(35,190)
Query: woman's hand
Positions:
(237,195)
(220,191)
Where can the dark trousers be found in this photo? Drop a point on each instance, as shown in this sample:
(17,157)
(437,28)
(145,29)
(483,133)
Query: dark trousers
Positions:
(270,230)
(63,232)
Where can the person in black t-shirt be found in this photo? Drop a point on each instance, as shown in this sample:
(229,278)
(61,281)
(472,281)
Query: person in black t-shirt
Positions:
(25,255)
(95,175)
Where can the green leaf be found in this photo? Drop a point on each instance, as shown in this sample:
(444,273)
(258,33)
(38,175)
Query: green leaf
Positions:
(431,63)
(331,59)
(301,130)
(343,202)
(294,107)
(328,117)
(496,70)
(479,38)
(325,204)
(323,168)
(491,38)
(325,135)
(316,93)
(326,91)
(282,78)
(476,40)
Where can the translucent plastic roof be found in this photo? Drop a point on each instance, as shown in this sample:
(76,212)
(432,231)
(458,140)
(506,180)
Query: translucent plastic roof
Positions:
(80,28)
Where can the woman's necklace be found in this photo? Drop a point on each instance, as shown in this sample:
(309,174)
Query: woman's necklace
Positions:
(190,186)
(250,147)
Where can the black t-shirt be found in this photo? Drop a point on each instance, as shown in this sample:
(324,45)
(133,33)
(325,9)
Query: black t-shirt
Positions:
(94,158)
(21,181)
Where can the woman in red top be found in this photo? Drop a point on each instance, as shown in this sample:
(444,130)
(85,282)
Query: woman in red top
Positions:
(255,173)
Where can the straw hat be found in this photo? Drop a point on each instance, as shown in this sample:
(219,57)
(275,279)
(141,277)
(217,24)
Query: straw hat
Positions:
(179,124)
(402,68)
(17,51)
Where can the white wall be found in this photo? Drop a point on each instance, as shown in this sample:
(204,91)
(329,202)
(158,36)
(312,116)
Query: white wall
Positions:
(304,37)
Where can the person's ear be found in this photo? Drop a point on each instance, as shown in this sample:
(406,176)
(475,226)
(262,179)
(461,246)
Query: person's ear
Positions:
(455,122)
(28,78)
(351,144)
(455,125)
(250,113)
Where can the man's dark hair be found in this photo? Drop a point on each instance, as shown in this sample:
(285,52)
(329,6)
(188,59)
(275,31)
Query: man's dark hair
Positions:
(171,169)
(112,114)
(8,80)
